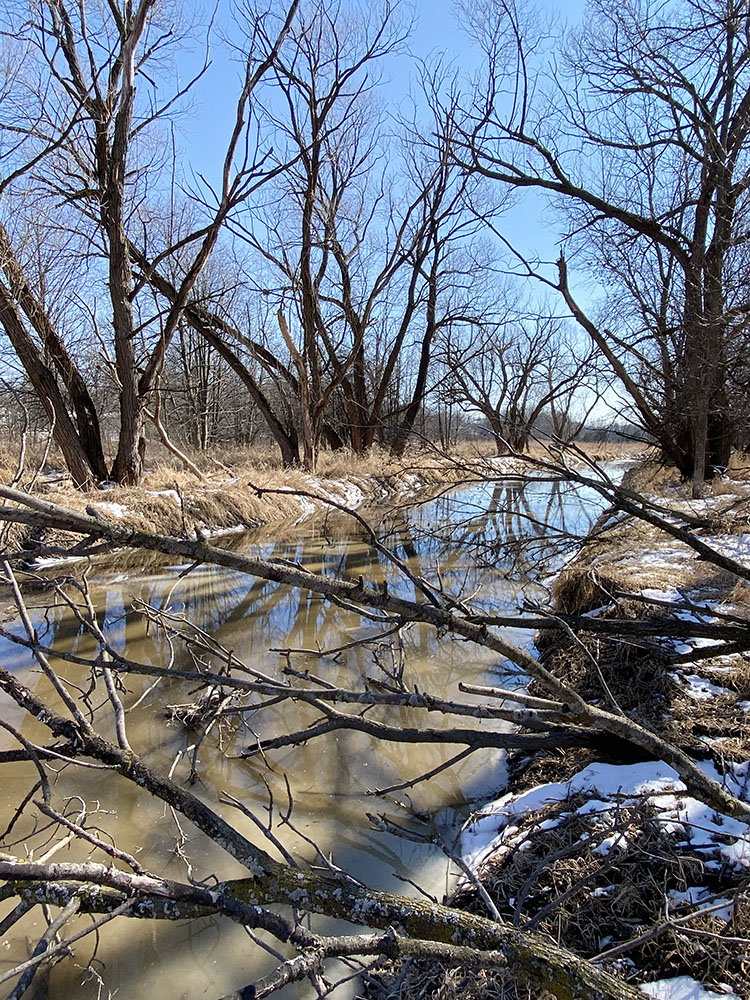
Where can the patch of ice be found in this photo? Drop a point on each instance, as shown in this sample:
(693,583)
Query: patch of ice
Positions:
(212,532)
(682,988)
(46,562)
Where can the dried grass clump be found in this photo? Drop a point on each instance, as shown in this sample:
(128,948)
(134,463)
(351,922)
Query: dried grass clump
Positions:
(739,465)
(578,589)
(737,678)
(546,766)
(739,598)
(636,675)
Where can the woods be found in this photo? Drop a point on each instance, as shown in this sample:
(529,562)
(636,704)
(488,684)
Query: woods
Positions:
(345,274)
(348,261)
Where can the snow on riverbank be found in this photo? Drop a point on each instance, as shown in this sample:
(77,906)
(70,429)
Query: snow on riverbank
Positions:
(608,788)
(623,863)
(683,988)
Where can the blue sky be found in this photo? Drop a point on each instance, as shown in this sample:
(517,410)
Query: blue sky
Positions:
(437,30)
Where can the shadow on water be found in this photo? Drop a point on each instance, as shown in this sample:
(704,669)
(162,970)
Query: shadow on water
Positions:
(490,545)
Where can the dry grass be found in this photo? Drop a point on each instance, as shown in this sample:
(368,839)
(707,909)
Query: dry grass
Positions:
(652,476)
(593,902)
(174,501)
(634,556)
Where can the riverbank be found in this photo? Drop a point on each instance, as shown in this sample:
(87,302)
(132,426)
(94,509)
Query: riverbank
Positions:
(249,489)
(609,855)
(578,847)
(247,494)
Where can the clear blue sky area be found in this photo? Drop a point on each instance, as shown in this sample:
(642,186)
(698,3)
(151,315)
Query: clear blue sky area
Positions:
(437,30)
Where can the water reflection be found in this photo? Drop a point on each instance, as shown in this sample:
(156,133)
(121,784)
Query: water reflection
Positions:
(489,545)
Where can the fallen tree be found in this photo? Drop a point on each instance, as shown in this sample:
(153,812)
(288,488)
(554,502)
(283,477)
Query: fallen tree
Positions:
(559,717)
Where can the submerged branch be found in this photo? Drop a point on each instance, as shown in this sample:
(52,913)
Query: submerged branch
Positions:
(41,512)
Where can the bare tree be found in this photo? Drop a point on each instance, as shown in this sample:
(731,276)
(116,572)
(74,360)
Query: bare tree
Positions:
(652,104)
(514,372)
(98,168)
(323,103)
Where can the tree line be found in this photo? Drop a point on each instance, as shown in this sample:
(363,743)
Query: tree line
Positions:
(349,268)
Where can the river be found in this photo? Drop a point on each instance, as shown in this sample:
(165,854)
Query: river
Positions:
(491,543)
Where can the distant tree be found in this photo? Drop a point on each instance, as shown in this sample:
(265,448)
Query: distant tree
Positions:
(515,372)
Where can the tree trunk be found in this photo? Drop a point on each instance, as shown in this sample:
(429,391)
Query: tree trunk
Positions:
(309,436)
(47,390)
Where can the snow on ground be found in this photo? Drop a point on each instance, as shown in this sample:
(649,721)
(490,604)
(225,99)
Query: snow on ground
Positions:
(172,494)
(347,492)
(683,988)
(115,509)
(308,507)
(720,839)
(700,688)
(734,546)
(701,898)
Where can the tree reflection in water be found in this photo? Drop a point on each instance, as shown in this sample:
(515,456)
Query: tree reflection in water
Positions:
(487,545)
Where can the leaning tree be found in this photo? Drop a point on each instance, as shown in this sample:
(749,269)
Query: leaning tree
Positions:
(639,131)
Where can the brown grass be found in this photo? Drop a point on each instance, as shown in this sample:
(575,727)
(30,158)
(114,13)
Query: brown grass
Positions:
(174,501)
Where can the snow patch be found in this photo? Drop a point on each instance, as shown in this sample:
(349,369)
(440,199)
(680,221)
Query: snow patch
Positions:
(683,988)
(115,509)
(172,494)
(702,898)
(496,828)
(735,546)
(701,689)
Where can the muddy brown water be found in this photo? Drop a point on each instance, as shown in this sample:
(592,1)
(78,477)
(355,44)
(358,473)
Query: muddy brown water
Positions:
(492,543)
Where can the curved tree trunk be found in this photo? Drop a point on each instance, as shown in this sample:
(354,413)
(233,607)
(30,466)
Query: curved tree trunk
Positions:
(47,390)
